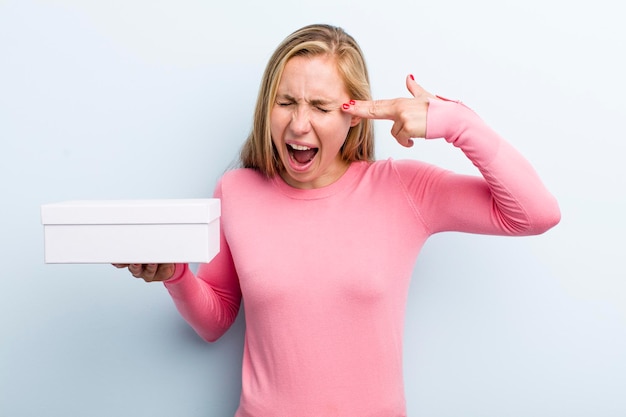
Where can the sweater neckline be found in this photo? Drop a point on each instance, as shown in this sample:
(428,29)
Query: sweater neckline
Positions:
(344,182)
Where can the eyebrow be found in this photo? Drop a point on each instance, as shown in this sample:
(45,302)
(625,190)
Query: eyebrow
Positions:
(320,102)
(313,102)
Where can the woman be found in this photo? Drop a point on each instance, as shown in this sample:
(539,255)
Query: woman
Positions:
(321,240)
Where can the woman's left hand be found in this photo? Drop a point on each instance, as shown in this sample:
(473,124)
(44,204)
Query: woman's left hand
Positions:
(408,114)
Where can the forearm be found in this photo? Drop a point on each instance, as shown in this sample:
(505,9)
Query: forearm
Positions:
(209,309)
(519,202)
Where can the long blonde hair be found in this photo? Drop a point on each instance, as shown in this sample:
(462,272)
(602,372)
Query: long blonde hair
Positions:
(258,151)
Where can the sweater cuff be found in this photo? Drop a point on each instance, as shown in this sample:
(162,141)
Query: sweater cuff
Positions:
(443,117)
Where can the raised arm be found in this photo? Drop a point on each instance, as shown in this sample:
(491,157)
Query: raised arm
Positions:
(509,199)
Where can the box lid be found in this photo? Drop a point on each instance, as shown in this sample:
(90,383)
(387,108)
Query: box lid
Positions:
(167,211)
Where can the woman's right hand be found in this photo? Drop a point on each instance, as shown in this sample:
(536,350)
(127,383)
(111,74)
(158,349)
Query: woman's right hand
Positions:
(150,272)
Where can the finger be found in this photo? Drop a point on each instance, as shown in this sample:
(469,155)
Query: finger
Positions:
(371,109)
(135,270)
(415,89)
(406,141)
(402,136)
(412,86)
(120,265)
(149,271)
(396,129)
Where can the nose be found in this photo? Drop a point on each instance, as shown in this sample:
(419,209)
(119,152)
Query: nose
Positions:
(300,121)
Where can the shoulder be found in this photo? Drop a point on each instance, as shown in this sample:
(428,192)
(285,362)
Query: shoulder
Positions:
(409,176)
(399,169)
(242,177)
(242,183)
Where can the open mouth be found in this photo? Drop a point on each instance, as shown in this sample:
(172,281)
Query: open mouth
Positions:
(301,154)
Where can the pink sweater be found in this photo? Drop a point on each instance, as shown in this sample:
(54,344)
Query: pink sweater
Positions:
(324,273)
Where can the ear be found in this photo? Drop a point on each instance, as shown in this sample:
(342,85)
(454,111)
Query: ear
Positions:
(354,120)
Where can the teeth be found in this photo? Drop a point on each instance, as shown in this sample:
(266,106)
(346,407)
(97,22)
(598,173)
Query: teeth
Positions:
(298,147)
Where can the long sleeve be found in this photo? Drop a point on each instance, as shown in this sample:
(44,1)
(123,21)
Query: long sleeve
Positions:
(210,301)
(509,199)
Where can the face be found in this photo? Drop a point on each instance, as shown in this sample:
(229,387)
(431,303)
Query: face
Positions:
(307,123)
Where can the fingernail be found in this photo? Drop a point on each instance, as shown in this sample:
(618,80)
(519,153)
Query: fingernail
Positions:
(352,102)
(345,106)
(412,77)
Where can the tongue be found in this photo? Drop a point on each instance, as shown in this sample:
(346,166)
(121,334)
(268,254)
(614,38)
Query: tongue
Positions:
(304,156)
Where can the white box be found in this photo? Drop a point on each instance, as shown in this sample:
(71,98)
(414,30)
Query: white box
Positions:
(131,231)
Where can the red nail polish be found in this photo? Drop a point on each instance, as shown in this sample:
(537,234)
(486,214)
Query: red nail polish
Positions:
(345,106)
(352,102)
(412,77)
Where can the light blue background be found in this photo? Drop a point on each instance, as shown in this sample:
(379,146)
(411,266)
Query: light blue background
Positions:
(152,99)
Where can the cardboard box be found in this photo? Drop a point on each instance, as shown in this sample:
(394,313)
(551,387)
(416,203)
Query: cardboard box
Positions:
(131,231)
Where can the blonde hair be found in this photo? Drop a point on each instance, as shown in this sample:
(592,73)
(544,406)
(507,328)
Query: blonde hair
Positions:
(258,151)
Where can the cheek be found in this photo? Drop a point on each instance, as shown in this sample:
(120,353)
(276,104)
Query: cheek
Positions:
(335,129)
(344,122)
(275,128)
(279,119)
(273,120)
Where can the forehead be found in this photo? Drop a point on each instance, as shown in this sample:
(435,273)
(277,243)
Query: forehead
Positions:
(307,77)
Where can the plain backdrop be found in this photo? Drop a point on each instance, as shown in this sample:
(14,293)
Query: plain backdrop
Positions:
(153,99)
